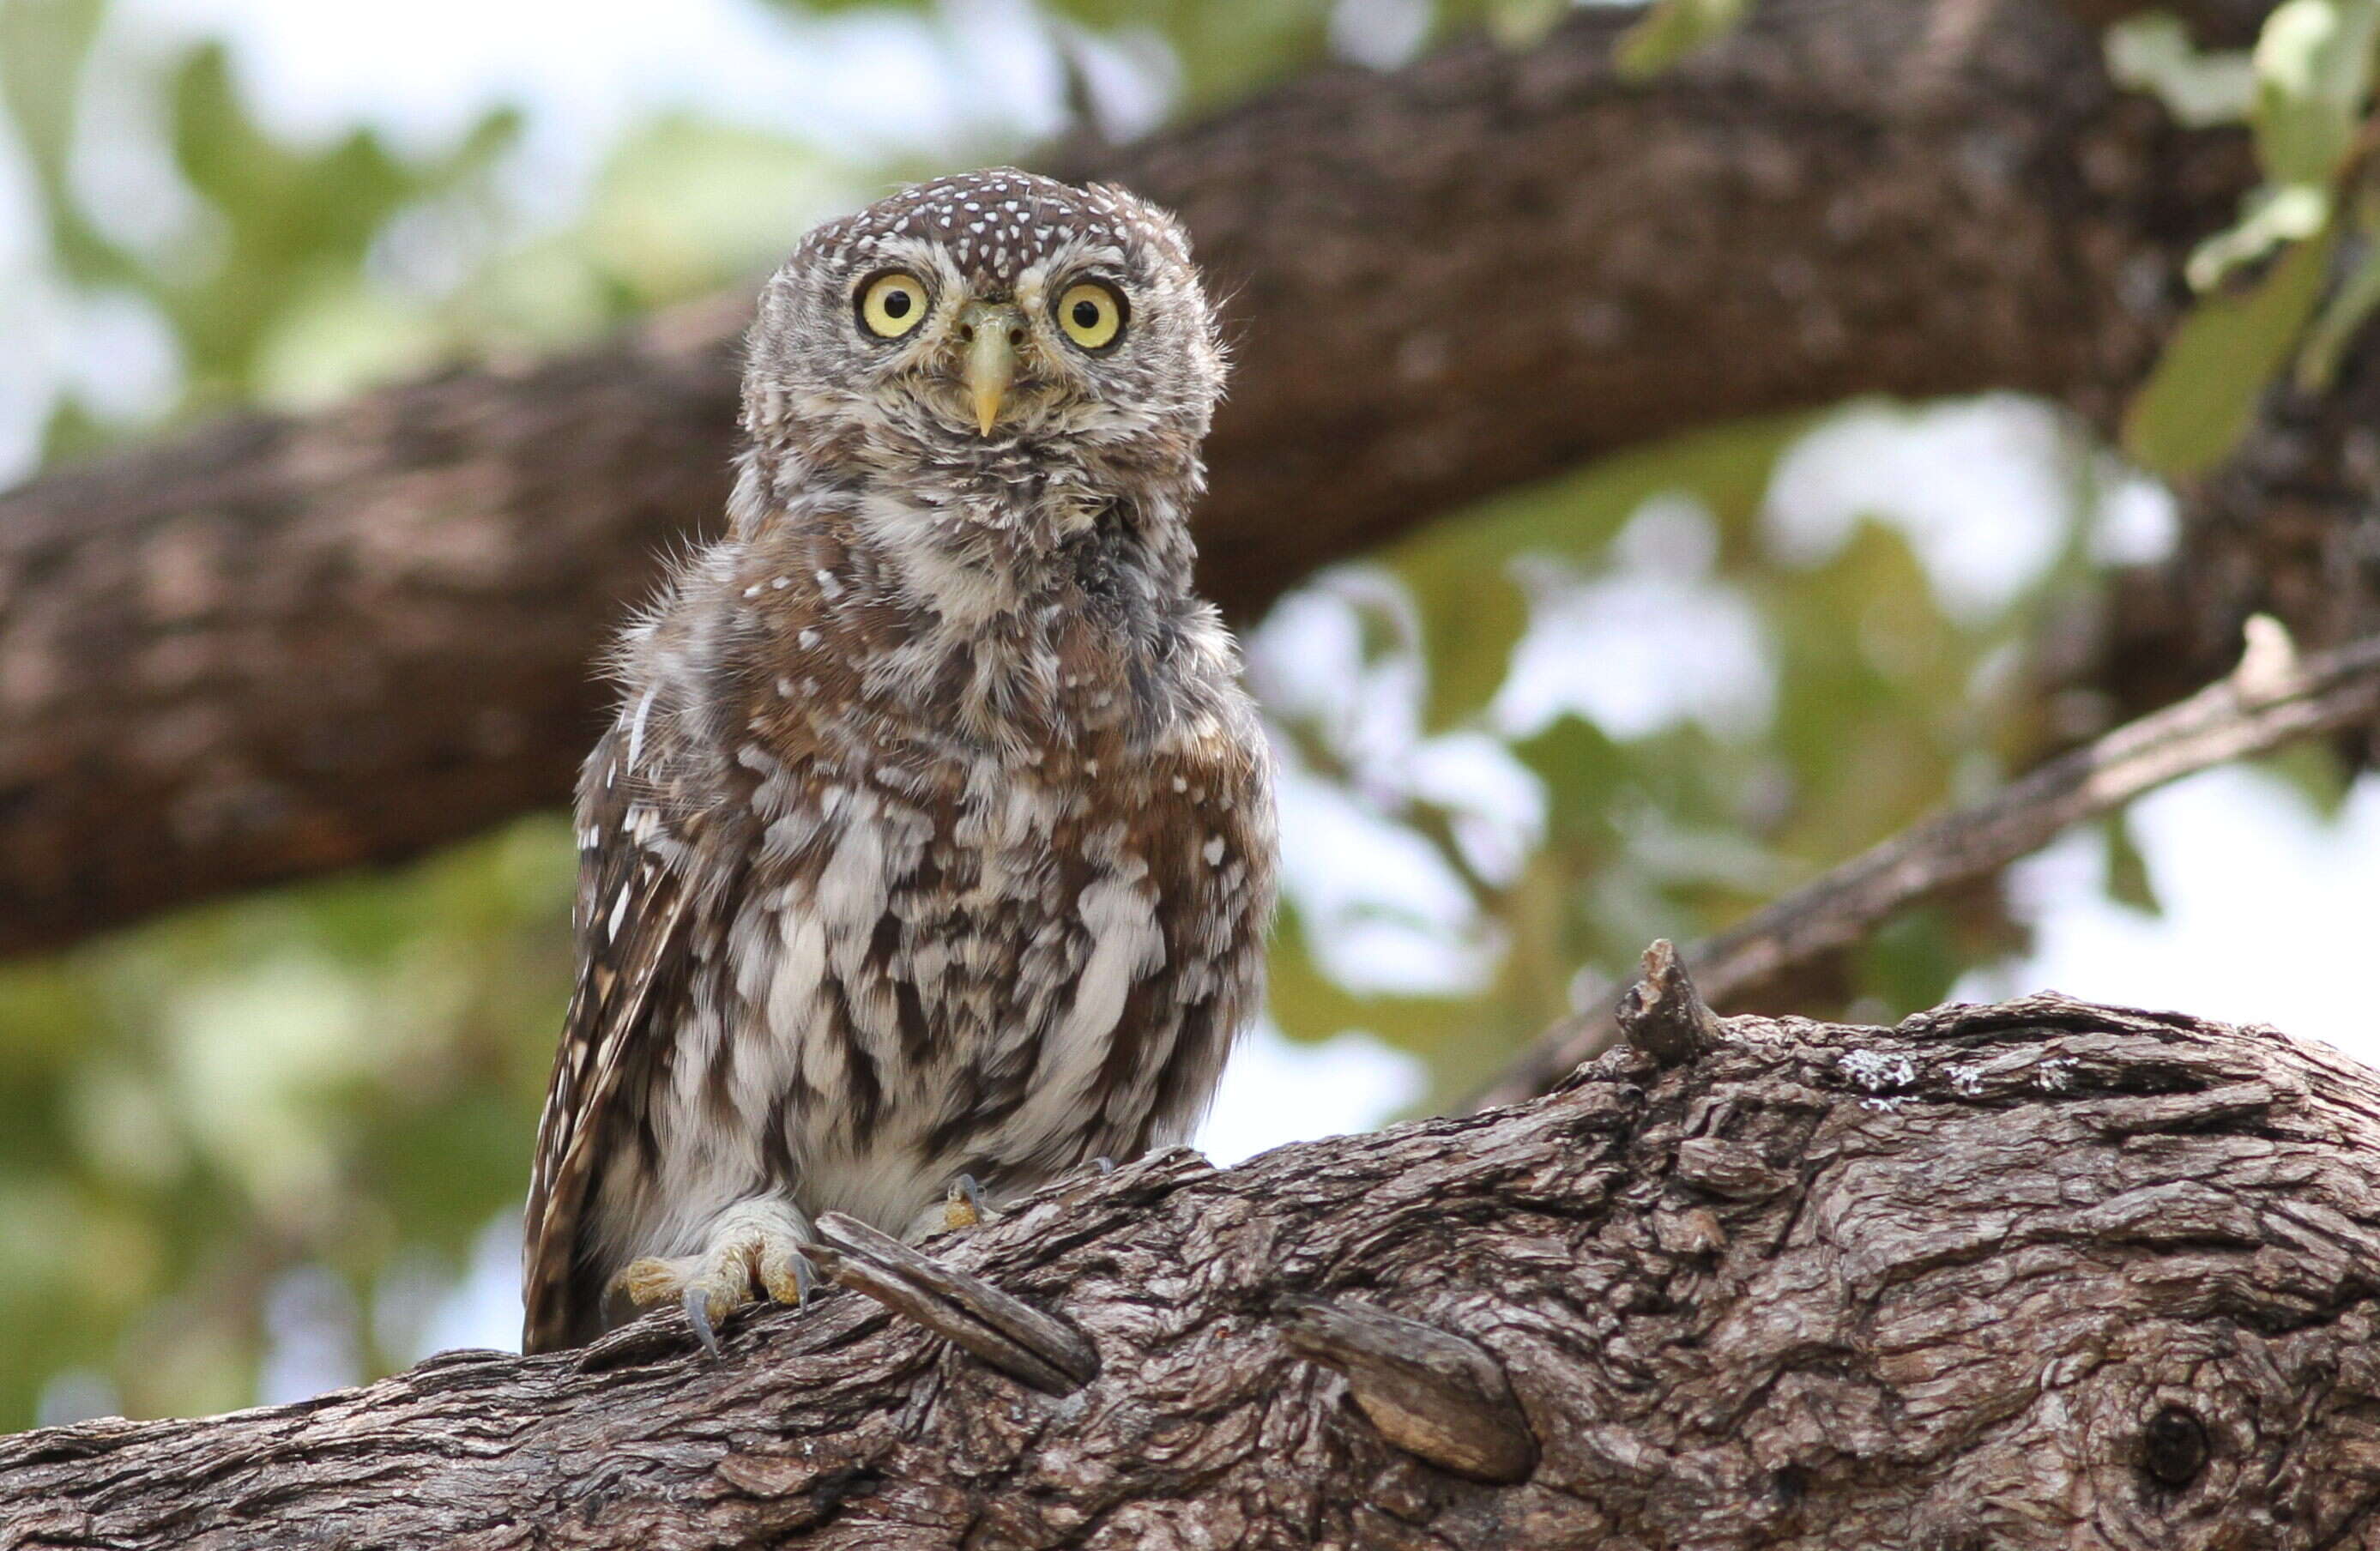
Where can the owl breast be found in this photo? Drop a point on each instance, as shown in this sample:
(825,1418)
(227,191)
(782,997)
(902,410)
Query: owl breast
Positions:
(955,954)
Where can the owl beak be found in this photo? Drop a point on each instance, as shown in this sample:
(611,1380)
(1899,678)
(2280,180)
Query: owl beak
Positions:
(990,334)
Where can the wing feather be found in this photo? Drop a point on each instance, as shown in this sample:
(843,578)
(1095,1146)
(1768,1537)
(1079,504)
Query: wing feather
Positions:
(632,929)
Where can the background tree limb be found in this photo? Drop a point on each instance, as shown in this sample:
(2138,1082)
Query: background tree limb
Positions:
(2044,1273)
(277,647)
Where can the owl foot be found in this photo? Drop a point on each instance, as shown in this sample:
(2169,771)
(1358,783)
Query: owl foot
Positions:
(1005,1331)
(965,1207)
(755,1250)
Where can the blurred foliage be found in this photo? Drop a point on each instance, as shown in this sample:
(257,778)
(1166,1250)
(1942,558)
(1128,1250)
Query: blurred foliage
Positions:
(1673,29)
(257,1145)
(198,1116)
(2202,396)
(2305,93)
(1886,703)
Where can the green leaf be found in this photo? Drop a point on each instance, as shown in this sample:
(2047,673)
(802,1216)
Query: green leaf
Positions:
(2343,315)
(42,47)
(2127,871)
(2313,69)
(1309,1005)
(1524,23)
(2202,396)
(1911,961)
(2312,66)
(2289,212)
(1471,621)
(1458,571)
(2153,53)
(1583,769)
(2315,773)
(1673,29)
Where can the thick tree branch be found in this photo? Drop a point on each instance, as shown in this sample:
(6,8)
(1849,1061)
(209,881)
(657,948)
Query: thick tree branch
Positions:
(2271,699)
(273,647)
(2039,1275)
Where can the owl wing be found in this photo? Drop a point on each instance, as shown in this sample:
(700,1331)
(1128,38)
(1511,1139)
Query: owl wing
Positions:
(632,929)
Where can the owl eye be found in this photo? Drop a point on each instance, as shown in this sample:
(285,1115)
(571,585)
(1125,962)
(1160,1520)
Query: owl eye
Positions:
(892,304)
(1092,314)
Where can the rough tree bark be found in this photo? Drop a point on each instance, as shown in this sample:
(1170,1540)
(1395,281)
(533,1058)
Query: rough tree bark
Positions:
(282,646)
(2042,1274)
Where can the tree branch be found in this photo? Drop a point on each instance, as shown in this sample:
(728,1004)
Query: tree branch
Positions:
(2271,699)
(2038,1274)
(266,650)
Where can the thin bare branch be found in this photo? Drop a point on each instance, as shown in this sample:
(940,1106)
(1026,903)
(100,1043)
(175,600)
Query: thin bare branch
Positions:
(1020,1341)
(2273,698)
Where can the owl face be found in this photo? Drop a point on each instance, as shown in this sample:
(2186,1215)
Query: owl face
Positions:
(968,318)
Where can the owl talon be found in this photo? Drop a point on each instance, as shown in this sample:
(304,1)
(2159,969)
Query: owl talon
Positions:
(1104,1165)
(698,1314)
(965,1207)
(755,1252)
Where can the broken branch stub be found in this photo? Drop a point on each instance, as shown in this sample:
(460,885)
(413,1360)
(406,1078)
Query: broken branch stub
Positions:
(1020,1341)
(1662,1014)
(1437,1396)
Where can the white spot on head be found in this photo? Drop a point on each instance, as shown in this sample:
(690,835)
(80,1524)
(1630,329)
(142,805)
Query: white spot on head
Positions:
(1213,851)
(830,585)
(808,638)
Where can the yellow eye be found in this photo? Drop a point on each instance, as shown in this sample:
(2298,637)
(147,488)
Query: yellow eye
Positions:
(892,303)
(1092,314)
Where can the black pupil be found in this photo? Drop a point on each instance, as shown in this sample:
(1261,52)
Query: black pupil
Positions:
(1087,314)
(896,303)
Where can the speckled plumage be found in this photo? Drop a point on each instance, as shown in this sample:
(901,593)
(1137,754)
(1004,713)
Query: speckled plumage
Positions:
(934,833)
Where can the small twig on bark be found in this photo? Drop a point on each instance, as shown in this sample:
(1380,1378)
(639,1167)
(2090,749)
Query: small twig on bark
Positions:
(1014,1337)
(1662,1014)
(2274,697)
(1438,1397)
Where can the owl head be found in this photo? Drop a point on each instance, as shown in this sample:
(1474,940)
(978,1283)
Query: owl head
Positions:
(987,323)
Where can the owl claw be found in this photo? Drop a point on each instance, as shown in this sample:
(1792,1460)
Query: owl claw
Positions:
(965,1207)
(755,1252)
(698,1314)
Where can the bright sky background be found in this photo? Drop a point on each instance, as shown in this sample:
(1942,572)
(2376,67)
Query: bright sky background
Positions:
(2252,882)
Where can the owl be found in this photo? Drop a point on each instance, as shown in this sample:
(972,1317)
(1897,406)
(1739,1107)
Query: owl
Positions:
(933,839)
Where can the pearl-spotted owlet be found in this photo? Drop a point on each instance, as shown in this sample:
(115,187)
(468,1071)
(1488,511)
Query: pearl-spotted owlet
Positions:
(934,836)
